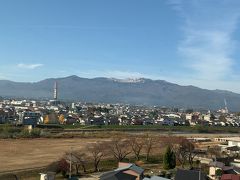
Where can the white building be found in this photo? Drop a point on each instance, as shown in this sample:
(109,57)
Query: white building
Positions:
(207,117)
(189,117)
(234,141)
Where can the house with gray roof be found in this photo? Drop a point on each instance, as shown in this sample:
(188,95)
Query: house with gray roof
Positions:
(124,171)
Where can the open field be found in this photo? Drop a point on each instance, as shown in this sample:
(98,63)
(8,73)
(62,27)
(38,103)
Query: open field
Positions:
(31,153)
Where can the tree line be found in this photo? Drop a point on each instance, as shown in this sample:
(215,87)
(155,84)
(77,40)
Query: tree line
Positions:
(141,148)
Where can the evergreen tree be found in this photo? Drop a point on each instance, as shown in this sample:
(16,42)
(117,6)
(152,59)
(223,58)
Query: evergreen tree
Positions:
(173,160)
(169,159)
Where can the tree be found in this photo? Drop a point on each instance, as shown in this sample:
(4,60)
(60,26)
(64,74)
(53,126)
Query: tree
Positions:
(51,118)
(119,149)
(79,160)
(63,166)
(169,159)
(148,146)
(153,114)
(222,118)
(174,143)
(181,154)
(46,119)
(137,146)
(61,119)
(219,173)
(192,153)
(186,152)
(97,152)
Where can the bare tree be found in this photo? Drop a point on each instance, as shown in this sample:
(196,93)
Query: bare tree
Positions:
(185,151)
(192,153)
(97,153)
(80,160)
(77,159)
(119,149)
(149,142)
(137,146)
(181,154)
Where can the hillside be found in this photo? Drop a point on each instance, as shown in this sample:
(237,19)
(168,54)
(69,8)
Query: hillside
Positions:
(133,91)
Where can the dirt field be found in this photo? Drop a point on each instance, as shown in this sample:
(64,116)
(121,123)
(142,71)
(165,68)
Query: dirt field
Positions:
(31,153)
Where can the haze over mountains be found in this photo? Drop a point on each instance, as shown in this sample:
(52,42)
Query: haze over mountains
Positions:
(133,91)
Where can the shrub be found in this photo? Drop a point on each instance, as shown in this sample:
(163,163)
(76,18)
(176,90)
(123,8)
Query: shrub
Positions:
(35,133)
(9,131)
(169,159)
(25,133)
(219,172)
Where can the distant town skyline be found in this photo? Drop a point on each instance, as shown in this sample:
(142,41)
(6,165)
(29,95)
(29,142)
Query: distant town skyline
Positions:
(185,42)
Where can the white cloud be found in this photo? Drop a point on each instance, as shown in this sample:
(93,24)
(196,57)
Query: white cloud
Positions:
(208,45)
(29,66)
(208,54)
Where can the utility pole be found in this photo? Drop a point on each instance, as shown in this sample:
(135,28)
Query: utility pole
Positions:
(70,173)
(199,171)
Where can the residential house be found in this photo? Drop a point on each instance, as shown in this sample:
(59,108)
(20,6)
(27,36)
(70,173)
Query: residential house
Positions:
(216,165)
(188,117)
(126,171)
(148,121)
(112,120)
(230,177)
(97,120)
(47,176)
(234,141)
(30,118)
(206,117)
(124,120)
(137,122)
(190,175)
(3,116)
(155,178)
(72,119)
(168,122)
(236,163)
(233,150)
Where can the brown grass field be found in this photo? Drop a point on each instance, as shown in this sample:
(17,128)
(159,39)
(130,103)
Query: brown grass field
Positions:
(31,153)
(20,154)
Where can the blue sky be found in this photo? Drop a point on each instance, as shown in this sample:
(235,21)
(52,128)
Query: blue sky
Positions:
(189,42)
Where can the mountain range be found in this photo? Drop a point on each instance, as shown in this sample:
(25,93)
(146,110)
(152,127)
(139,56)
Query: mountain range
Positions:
(131,91)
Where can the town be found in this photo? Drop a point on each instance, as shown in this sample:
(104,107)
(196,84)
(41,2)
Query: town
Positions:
(182,143)
(36,112)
